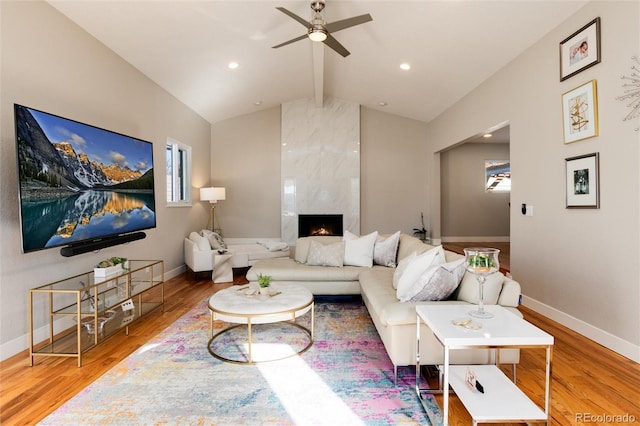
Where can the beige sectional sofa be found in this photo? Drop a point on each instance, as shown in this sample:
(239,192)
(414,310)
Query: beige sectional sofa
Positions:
(394,320)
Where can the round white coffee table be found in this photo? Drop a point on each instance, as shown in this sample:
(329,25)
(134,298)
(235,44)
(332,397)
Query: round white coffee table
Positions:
(243,305)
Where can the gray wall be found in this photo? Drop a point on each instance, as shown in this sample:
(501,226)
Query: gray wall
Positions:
(393,173)
(49,63)
(578,266)
(245,157)
(469,212)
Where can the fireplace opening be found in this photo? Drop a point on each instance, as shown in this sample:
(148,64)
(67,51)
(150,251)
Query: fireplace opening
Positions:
(319,224)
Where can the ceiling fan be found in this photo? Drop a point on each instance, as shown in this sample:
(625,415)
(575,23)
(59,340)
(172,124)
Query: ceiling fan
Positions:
(320,31)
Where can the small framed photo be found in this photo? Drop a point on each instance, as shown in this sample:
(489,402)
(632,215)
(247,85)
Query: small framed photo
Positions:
(580,113)
(583,181)
(580,50)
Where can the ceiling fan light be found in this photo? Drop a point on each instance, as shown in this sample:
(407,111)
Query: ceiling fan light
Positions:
(317,34)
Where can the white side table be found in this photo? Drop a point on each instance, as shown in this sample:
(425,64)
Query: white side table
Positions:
(502,400)
(222,269)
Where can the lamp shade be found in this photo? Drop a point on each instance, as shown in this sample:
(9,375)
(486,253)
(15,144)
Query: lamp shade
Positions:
(213,194)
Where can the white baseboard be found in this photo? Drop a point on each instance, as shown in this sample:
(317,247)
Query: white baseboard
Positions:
(21,343)
(499,239)
(602,337)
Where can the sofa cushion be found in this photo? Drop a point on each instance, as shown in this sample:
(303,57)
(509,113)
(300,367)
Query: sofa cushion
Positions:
(385,251)
(302,245)
(409,284)
(286,269)
(510,293)
(326,254)
(201,242)
(358,251)
(382,301)
(409,244)
(255,251)
(439,281)
(468,290)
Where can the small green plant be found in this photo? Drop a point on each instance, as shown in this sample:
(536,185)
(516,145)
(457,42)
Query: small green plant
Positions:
(420,232)
(481,261)
(264,280)
(112,262)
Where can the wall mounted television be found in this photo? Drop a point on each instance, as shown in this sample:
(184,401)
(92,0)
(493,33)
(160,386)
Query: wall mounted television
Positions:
(80,185)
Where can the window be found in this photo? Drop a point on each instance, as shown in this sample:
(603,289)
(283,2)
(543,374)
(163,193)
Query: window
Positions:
(497,175)
(178,173)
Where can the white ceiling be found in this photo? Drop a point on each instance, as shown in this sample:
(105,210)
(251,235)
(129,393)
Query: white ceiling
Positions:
(185,46)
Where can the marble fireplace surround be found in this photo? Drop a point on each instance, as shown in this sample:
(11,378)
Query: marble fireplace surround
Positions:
(320,163)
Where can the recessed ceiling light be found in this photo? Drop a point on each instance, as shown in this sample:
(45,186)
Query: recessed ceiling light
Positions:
(405,66)
(233,65)
(487,135)
(382,103)
(257,103)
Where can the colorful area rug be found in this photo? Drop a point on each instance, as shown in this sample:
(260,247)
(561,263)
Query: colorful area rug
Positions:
(345,378)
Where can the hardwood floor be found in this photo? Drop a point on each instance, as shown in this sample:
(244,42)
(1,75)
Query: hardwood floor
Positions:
(587,378)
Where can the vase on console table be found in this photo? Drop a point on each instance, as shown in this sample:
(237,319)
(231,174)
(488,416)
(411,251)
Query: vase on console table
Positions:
(481,262)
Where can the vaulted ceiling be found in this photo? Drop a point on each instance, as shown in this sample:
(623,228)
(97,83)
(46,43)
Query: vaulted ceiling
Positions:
(185,47)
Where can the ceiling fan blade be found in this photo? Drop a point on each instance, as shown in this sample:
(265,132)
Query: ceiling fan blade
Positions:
(293,40)
(349,22)
(304,22)
(335,45)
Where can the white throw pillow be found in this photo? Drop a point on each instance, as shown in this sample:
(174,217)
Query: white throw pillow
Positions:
(358,251)
(201,242)
(209,235)
(385,251)
(439,281)
(325,254)
(402,266)
(469,291)
(409,279)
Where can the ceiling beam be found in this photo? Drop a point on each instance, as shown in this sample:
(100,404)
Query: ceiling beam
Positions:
(318,73)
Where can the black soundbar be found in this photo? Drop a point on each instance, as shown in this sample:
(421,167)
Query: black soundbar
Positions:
(79,248)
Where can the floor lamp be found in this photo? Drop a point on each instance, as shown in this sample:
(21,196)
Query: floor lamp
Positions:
(213,195)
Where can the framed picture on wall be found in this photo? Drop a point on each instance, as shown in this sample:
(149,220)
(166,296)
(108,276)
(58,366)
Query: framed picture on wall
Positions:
(580,113)
(583,181)
(580,50)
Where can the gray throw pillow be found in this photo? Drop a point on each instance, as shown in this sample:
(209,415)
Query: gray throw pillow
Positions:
(326,254)
(440,281)
(385,250)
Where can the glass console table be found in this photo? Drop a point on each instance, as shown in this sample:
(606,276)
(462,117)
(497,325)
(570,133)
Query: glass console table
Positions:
(71,316)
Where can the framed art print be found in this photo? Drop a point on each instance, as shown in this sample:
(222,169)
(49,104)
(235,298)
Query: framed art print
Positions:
(580,50)
(583,181)
(580,113)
